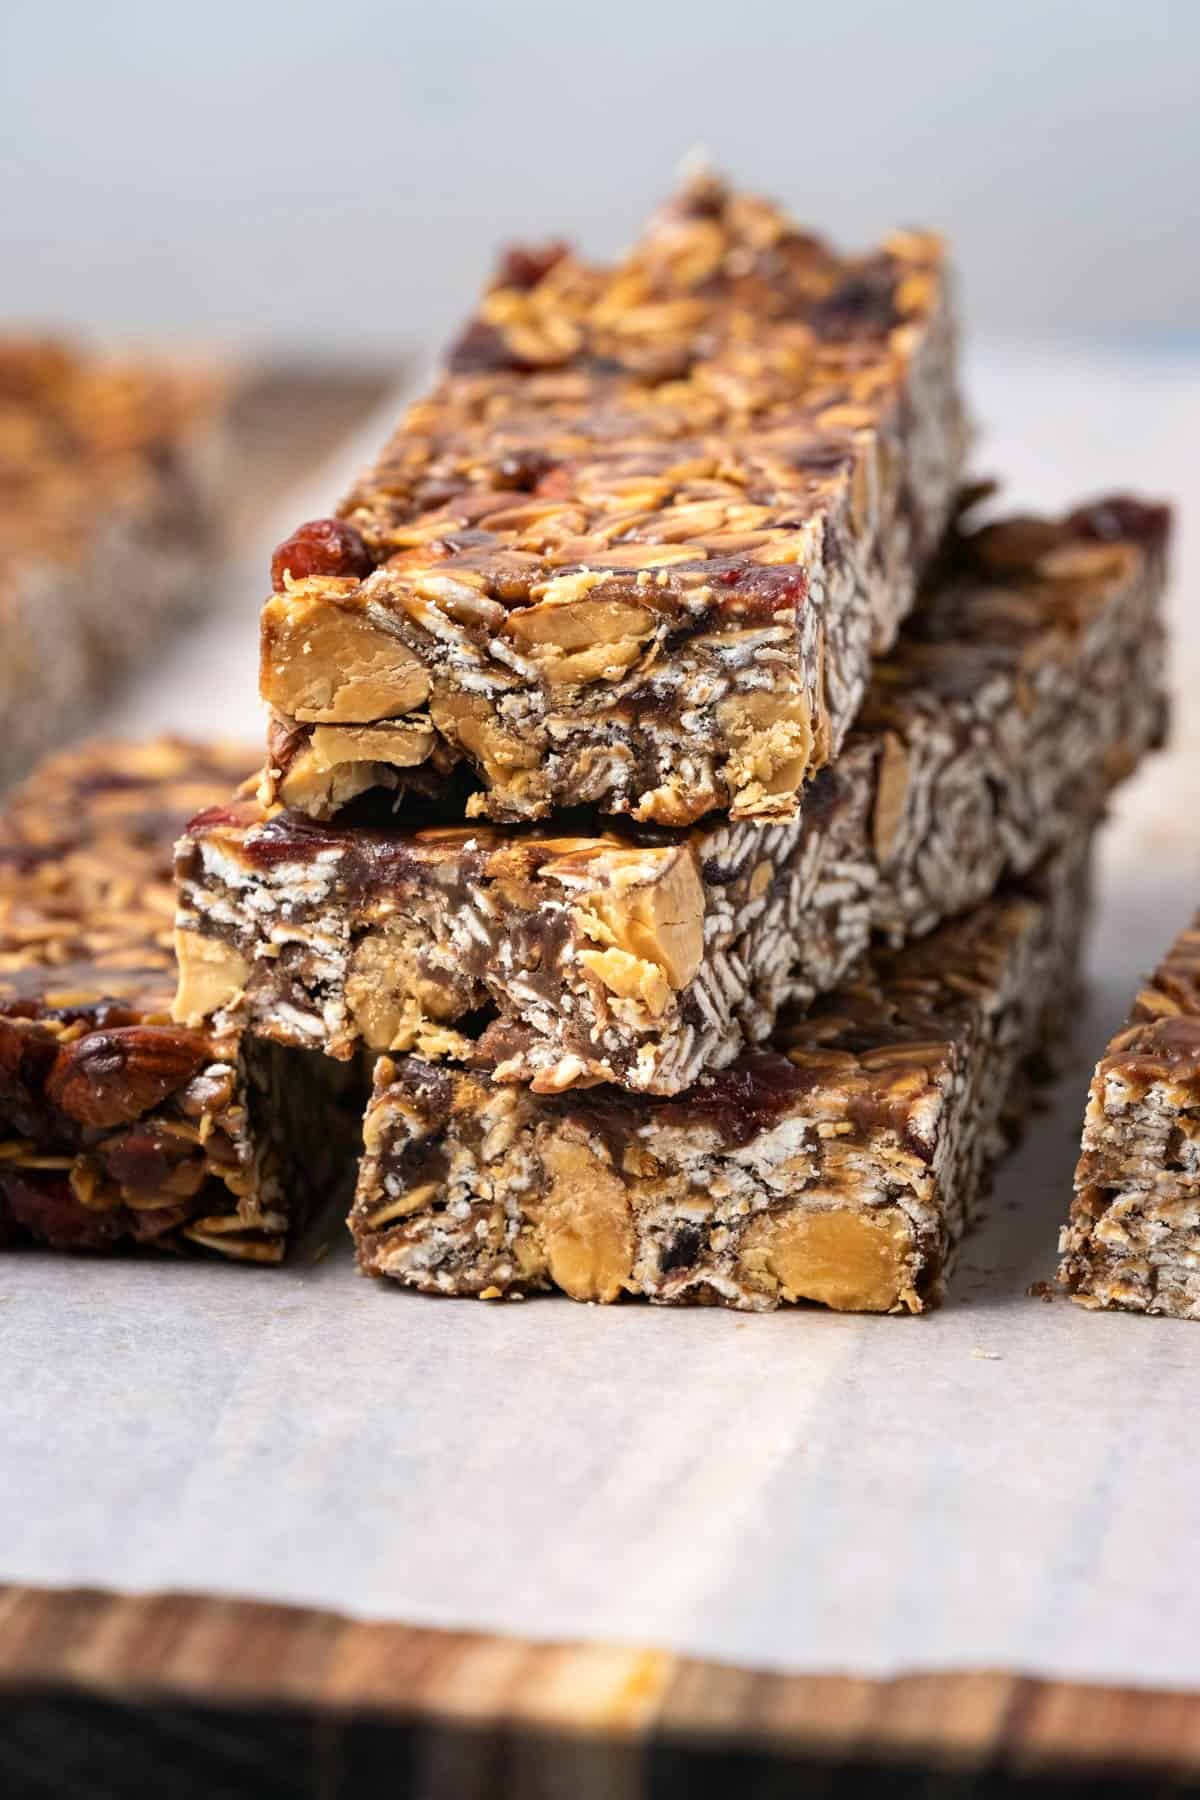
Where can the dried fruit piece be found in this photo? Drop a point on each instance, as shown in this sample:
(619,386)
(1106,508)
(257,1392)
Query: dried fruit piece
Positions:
(525,265)
(320,547)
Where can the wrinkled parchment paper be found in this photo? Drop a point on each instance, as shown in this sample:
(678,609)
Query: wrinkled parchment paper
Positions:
(1004,1483)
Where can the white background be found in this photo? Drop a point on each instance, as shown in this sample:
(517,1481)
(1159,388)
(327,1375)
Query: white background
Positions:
(337,171)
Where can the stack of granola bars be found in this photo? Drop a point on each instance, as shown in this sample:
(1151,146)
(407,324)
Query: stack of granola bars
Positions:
(678,797)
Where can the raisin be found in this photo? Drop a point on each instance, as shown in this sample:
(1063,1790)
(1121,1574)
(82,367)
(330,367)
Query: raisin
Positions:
(46,1208)
(321,547)
(523,469)
(482,350)
(1122,519)
(525,265)
(682,1249)
(861,304)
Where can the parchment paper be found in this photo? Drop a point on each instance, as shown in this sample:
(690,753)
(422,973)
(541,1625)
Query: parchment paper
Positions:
(1003,1483)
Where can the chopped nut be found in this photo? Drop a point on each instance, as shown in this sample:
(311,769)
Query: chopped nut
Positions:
(211,976)
(630,978)
(585,1222)
(469,720)
(390,997)
(586,640)
(342,761)
(649,920)
(395,741)
(891,790)
(326,660)
(851,1261)
(772,743)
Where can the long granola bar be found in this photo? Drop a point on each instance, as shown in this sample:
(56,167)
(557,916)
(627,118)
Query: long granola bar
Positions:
(842,1165)
(637,547)
(1133,1237)
(110,486)
(1032,665)
(115,1123)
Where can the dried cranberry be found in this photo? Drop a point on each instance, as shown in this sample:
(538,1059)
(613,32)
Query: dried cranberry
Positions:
(321,547)
(762,589)
(482,350)
(46,1208)
(862,304)
(743,1099)
(524,265)
(1122,519)
(523,469)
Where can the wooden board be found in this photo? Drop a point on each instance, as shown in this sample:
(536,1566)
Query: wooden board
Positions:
(188,1696)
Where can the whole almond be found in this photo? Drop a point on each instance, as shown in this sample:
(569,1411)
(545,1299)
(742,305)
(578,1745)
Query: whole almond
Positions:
(109,1078)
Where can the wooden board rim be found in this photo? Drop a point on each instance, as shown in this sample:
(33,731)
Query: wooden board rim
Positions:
(144,1650)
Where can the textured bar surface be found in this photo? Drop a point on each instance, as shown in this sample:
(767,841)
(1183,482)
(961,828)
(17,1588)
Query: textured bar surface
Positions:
(1133,1237)
(1032,666)
(840,1166)
(637,547)
(110,504)
(116,1124)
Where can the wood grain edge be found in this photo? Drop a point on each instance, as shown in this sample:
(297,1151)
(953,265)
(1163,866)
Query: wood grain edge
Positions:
(249,1655)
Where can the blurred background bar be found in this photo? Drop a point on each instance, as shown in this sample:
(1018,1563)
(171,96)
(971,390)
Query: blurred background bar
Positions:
(332,174)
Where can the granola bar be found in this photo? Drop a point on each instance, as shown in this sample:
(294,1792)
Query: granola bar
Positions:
(644,957)
(841,1165)
(637,547)
(116,1124)
(110,485)
(1133,1237)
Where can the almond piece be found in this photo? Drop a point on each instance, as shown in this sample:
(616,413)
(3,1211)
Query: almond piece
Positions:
(211,974)
(891,789)
(648,919)
(110,1078)
(326,661)
(582,640)
(467,719)
(773,747)
(391,1000)
(848,1260)
(584,1220)
(340,761)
